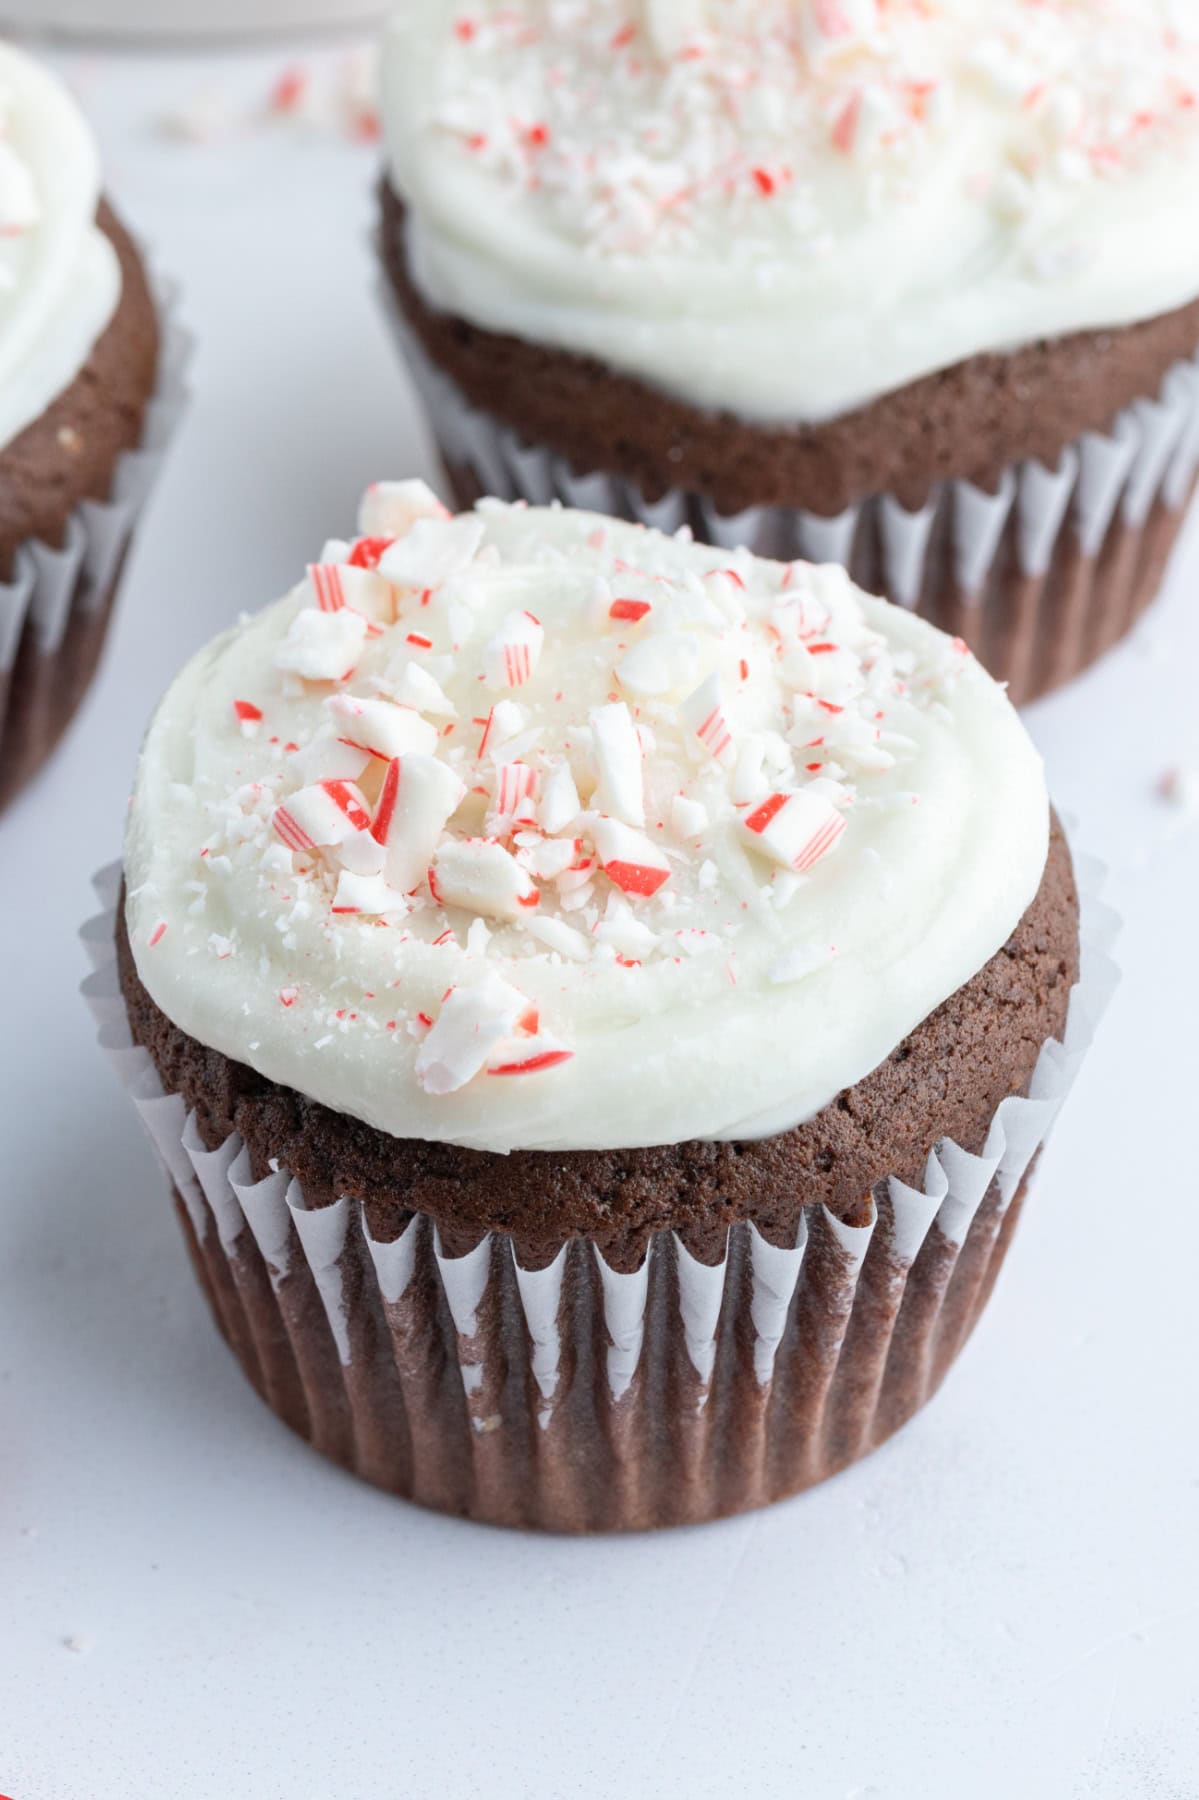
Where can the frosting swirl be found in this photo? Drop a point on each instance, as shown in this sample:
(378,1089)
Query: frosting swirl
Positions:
(532,829)
(784,208)
(59,275)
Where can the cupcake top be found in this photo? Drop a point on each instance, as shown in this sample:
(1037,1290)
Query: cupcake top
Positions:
(785,208)
(530,829)
(59,275)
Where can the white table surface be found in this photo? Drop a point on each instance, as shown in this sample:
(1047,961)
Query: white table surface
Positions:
(1003,1602)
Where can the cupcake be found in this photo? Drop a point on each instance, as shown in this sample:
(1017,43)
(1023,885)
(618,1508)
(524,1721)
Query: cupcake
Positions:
(89,387)
(904,287)
(598,998)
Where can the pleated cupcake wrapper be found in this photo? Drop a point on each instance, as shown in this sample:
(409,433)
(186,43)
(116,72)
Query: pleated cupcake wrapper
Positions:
(56,591)
(964,551)
(577,1397)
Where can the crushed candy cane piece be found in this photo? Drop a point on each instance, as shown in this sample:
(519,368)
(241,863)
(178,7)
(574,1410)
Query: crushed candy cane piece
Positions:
(432,551)
(369,894)
(632,611)
(418,795)
(628,858)
(556,935)
(324,814)
(618,763)
(513,653)
(662,663)
(381,727)
(323,646)
(389,509)
(545,858)
(328,758)
(417,688)
(333,586)
(703,714)
(559,804)
(514,792)
(473,1022)
(795,828)
(529,1056)
(483,877)
(688,817)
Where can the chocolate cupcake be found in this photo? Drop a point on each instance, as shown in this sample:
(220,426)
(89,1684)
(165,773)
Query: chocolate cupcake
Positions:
(907,288)
(89,389)
(598,999)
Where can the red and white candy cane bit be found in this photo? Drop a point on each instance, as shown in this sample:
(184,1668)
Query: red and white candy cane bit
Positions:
(322,646)
(794,828)
(829,26)
(482,877)
(845,125)
(366,551)
(487,724)
(629,860)
(247,712)
(558,805)
(391,508)
(432,550)
(513,653)
(381,727)
(292,833)
(158,933)
(630,610)
(472,1024)
(703,713)
(621,788)
(336,586)
(349,802)
(537,1053)
(418,796)
(326,584)
(366,893)
(381,823)
(325,814)
(544,858)
(415,687)
(515,787)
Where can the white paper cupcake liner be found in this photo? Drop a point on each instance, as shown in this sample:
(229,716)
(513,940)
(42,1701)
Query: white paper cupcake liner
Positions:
(576,1397)
(54,609)
(1027,574)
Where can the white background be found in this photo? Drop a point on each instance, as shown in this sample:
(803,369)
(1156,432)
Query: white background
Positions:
(1003,1602)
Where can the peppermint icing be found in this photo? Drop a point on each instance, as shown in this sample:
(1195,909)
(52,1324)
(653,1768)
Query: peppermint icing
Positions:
(531,829)
(59,275)
(784,208)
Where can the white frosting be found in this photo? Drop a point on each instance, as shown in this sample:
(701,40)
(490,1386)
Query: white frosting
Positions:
(59,275)
(700,837)
(784,208)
